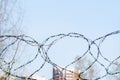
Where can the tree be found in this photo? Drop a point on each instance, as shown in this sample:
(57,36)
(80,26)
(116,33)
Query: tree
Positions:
(9,22)
(82,65)
(10,17)
(116,69)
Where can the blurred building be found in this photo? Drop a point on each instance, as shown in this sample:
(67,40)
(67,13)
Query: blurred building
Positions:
(5,77)
(59,74)
(34,77)
(24,77)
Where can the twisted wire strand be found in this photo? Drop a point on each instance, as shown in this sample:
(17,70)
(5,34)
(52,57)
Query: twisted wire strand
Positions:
(43,50)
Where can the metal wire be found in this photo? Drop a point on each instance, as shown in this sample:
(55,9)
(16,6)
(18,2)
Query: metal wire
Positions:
(44,47)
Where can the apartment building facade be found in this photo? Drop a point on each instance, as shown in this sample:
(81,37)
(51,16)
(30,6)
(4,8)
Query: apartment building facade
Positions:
(59,74)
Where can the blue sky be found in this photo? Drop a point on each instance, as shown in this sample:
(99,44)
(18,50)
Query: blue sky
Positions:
(69,16)
(92,18)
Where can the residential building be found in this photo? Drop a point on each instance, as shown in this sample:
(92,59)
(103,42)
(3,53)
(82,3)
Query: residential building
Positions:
(59,74)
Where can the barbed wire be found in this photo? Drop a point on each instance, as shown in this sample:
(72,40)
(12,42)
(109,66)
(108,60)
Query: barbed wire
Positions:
(6,66)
